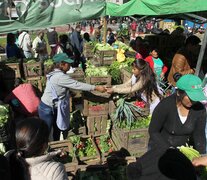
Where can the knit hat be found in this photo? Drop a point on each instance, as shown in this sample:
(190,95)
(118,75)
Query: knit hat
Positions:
(192,85)
(62,57)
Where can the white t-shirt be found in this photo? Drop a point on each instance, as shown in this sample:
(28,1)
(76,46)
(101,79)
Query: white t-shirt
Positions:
(25,41)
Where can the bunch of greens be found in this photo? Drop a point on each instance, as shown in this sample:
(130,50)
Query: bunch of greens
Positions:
(4,114)
(102,47)
(127,111)
(114,69)
(137,124)
(48,62)
(92,70)
(122,45)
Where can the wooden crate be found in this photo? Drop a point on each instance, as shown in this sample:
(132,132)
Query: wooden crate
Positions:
(33,69)
(93,159)
(135,141)
(125,75)
(98,125)
(106,57)
(102,80)
(11,70)
(95,105)
(66,146)
(78,74)
(36,82)
(88,50)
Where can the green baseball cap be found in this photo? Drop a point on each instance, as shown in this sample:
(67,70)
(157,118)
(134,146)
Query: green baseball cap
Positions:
(192,85)
(62,57)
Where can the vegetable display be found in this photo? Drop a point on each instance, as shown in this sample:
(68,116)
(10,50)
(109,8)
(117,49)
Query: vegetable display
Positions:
(102,47)
(137,124)
(83,147)
(104,144)
(92,70)
(127,111)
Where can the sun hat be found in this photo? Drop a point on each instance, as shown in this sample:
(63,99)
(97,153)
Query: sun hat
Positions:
(62,57)
(192,85)
(174,164)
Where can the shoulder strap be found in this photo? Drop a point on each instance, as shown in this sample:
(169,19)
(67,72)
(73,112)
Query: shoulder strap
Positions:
(22,40)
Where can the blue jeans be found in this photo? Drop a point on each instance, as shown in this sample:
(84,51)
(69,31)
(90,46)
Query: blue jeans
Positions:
(47,114)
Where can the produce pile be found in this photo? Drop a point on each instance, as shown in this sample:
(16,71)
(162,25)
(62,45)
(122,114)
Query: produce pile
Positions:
(129,111)
(104,144)
(83,147)
(4,114)
(113,70)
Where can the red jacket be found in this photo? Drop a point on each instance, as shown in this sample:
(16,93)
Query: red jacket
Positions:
(151,63)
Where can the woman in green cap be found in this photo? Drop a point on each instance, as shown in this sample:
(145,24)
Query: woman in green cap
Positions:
(54,105)
(177,120)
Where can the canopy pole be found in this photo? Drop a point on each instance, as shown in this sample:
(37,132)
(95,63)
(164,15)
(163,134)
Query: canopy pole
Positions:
(105,29)
(201,54)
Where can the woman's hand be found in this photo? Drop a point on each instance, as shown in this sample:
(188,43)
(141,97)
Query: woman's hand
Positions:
(100,88)
(110,90)
(200,161)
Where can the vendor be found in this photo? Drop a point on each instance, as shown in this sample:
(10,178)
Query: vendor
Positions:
(54,105)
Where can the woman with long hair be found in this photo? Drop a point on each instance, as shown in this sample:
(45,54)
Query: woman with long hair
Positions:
(143,83)
(30,161)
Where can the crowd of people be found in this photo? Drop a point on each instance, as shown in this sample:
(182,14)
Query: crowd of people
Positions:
(176,120)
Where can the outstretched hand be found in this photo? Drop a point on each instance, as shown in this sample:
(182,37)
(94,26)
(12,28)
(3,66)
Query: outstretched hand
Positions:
(200,161)
(109,90)
(100,88)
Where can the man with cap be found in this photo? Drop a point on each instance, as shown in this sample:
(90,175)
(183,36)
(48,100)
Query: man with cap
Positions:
(54,105)
(177,120)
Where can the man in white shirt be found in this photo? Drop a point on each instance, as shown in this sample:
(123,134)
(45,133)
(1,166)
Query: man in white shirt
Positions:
(39,46)
(25,43)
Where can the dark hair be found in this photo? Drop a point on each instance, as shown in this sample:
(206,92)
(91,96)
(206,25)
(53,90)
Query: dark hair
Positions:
(193,40)
(148,77)
(31,138)
(10,38)
(63,38)
(180,94)
(154,49)
(86,36)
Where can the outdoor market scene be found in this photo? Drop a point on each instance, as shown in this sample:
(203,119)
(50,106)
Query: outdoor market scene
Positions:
(103,90)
